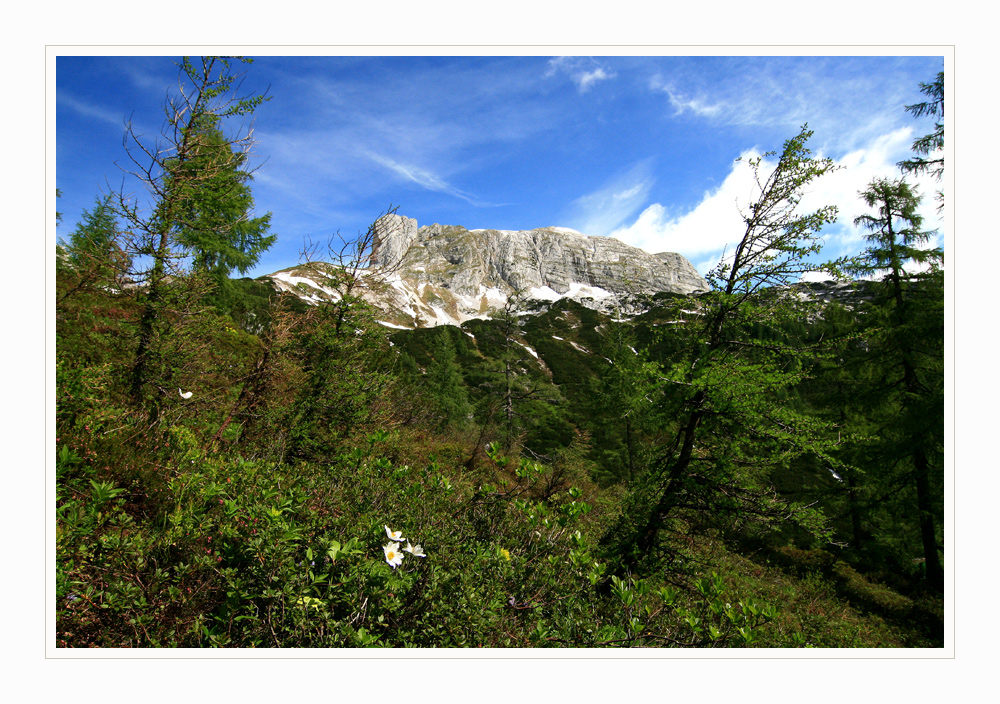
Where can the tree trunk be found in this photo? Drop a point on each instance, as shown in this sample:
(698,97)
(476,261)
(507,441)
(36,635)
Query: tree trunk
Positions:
(934,573)
(852,502)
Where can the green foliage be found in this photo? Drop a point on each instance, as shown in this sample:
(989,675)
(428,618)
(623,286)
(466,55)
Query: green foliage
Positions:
(247,556)
(212,222)
(198,209)
(895,235)
(882,387)
(777,238)
(932,144)
(93,248)
(444,383)
(340,349)
(904,334)
(252,302)
(724,390)
(161,543)
(621,398)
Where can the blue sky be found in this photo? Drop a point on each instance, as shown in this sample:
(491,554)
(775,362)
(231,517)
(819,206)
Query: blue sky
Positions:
(641,148)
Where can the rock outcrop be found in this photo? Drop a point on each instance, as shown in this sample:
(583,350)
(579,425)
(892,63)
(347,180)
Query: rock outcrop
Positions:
(551,257)
(447,274)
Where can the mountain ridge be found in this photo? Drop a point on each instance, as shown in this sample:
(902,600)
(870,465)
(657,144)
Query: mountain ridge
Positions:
(446,274)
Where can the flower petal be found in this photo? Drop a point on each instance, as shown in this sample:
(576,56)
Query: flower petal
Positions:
(392,554)
(415,550)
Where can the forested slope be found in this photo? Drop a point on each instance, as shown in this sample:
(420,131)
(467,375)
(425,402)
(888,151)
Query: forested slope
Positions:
(751,466)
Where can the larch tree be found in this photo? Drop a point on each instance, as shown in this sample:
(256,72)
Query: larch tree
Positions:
(929,147)
(731,428)
(341,344)
(621,396)
(214,225)
(512,386)
(905,331)
(95,234)
(196,212)
(93,251)
(444,381)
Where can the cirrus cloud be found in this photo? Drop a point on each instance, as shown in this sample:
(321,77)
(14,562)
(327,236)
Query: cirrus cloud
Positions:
(601,211)
(585,72)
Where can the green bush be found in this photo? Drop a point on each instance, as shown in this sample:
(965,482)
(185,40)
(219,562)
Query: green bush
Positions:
(249,554)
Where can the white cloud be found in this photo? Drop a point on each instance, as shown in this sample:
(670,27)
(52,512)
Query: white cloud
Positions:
(598,213)
(629,194)
(696,106)
(699,106)
(704,232)
(93,111)
(586,79)
(576,68)
(412,173)
(423,177)
(847,101)
(861,166)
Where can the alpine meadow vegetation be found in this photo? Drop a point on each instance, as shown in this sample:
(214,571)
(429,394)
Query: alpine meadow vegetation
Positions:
(237,468)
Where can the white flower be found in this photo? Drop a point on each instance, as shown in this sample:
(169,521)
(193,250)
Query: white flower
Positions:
(392,554)
(414,550)
(396,535)
(184,395)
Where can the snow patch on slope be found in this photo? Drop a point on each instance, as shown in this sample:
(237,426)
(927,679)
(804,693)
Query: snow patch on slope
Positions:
(427,304)
(290,283)
(584,291)
(530,351)
(544,293)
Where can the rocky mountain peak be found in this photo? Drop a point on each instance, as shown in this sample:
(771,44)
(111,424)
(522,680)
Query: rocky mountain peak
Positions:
(449,274)
(552,257)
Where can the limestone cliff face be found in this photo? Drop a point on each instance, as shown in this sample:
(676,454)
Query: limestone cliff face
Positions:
(553,258)
(443,274)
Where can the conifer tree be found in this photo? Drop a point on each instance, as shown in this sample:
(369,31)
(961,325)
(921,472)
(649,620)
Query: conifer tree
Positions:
(93,249)
(905,330)
(214,224)
(95,234)
(622,398)
(929,147)
(512,386)
(444,381)
(341,345)
(197,202)
(731,428)
(836,390)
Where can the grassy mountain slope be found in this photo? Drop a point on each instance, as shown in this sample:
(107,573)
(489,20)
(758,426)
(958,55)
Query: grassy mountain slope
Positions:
(238,519)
